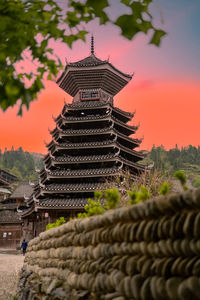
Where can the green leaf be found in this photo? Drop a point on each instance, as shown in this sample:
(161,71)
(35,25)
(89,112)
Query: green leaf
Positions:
(180,175)
(126,2)
(128,25)
(11,89)
(156,39)
(98,7)
(165,188)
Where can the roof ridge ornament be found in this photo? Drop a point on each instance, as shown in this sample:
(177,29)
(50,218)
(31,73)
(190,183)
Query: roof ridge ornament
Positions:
(92,45)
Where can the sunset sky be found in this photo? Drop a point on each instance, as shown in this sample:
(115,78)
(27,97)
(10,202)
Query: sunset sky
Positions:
(164,91)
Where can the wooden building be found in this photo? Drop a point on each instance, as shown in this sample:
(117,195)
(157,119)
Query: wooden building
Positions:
(6,179)
(10,225)
(92,142)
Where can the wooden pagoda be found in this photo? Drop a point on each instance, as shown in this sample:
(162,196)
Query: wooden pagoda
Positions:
(90,144)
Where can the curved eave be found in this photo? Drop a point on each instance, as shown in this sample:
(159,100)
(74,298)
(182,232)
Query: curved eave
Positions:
(27,212)
(87,133)
(85,173)
(139,154)
(131,128)
(86,118)
(137,166)
(85,159)
(81,132)
(126,115)
(134,142)
(71,188)
(62,203)
(109,143)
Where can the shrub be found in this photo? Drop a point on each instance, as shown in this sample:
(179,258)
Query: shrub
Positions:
(138,194)
(180,175)
(112,198)
(58,222)
(196,183)
(165,188)
(93,208)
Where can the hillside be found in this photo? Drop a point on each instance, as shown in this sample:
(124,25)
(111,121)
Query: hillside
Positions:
(169,161)
(22,163)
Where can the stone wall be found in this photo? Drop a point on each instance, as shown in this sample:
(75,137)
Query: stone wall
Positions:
(146,251)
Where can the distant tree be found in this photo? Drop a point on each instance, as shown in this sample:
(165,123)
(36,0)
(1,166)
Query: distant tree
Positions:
(27,26)
(19,163)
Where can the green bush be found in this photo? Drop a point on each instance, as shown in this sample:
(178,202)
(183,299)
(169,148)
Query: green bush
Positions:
(93,208)
(180,175)
(139,194)
(196,183)
(112,198)
(58,222)
(165,188)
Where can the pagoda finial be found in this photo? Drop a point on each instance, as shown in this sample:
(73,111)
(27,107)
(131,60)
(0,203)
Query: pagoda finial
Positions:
(92,45)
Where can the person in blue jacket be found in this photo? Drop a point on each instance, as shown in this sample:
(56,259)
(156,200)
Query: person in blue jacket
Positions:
(24,246)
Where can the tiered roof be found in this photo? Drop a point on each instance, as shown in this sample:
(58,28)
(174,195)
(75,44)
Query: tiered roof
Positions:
(92,73)
(91,141)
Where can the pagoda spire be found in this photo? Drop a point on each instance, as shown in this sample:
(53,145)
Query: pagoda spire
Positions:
(92,45)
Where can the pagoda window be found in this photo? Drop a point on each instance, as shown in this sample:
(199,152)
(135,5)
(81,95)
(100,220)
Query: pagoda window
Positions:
(87,95)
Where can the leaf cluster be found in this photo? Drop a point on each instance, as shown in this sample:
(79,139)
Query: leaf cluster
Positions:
(165,188)
(27,28)
(58,222)
(102,201)
(138,194)
(180,175)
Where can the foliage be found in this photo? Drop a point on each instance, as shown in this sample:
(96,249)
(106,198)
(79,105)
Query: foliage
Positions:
(58,222)
(138,194)
(152,180)
(170,161)
(97,207)
(112,198)
(28,27)
(93,208)
(165,188)
(21,164)
(180,175)
(196,183)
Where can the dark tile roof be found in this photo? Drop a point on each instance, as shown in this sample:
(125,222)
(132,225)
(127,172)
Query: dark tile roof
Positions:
(89,144)
(87,104)
(9,216)
(83,172)
(24,188)
(73,187)
(84,158)
(87,117)
(84,131)
(91,60)
(63,202)
(8,205)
